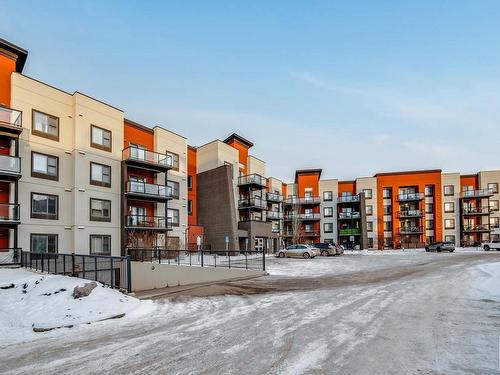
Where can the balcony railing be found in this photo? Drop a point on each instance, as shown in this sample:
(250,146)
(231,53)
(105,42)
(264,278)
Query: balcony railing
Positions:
(274,215)
(275,230)
(149,222)
(303,216)
(476,211)
(252,180)
(349,215)
(255,202)
(411,230)
(410,213)
(9,212)
(303,201)
(274,197)
(148,157)
(349,199)
(477,228)
(153,190)
(290,233)
(481,193)
(411,197)
(10,164)
(350,232)
(11,117)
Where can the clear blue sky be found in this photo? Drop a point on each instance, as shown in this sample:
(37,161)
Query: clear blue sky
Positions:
(353,87)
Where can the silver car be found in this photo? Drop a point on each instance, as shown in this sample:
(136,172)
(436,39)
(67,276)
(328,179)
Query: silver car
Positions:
(298,251)
(441,246)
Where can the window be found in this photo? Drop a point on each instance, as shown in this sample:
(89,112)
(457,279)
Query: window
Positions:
(101,138)
(387,225)
(327,196)
(387,241)
(190,182)
(175,160)
(44,206)
(45,125)
(100,244)
(190,207)
(449,207)
(494,205)
(44,166)
(328,211)
(328,227)
(369,210)
(449,238)
(43,243)
(429,224)
(308,193)
(429,191)
(493,187)
(100,174)
(368,193)
(100,210)
(308,228)
(370,242)
(173,189)
(387,210)
(494,222)
(429,208)
(173,217)
(449,190)
(386,193)
(449,224)
(369,226)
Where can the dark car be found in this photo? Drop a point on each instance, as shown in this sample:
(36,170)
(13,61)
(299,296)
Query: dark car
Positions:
(441,246)
(328,248)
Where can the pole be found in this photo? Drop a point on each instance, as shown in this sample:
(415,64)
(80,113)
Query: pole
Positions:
(129,275)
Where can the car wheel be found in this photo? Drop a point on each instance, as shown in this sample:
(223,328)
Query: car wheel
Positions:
(281,254)
(324,253)
(452,251)
(486,248)
(427,249)
(306,255)
(438,249)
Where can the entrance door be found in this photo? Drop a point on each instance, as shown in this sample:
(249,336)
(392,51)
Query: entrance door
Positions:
(137,215)
(259,244)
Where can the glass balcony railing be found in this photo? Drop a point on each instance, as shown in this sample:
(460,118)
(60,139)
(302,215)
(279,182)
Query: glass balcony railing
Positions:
(481,193)
(476,211)
(9,212)
(148,157)
(410,213)
(10,164)
(274,215)
(303,200)
(349,215)
(11,117)
(411,197)
(349,231)
(477,228)
(152,222)
(153,190)
(302,233)
(303,216)
(255,202)
(349,198)
(411,230)
(252,179)
(274,197)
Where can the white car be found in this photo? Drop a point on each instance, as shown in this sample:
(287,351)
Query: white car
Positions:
(493,245)
(299,251)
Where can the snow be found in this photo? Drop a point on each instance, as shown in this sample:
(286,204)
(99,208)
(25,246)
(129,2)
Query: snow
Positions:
(491,283)
(46,301)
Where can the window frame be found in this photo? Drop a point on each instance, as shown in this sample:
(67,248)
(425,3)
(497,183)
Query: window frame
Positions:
(492,206)
(449,227)
(494,218)
(190,207)
(449,211)
(178,188)
(190,182)
(494,189)
(97,145)
(44,216)
(174,224)
(324,209)
(328,199)
(41,133)
(369,226)
(44,175)
(325,226)
(174,156)
(452,190)
(384,196)
(108,236)
(366,196)
(431,188)
(99,218)
(369,212)
(101,183)
(56,236)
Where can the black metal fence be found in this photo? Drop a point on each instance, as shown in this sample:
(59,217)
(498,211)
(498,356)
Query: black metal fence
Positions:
(113,271)
(250,260)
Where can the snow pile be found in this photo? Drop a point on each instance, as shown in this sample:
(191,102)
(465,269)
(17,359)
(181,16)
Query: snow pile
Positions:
(491,283)
(32,302)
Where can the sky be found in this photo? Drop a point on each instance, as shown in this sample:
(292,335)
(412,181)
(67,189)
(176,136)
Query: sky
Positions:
(352,87)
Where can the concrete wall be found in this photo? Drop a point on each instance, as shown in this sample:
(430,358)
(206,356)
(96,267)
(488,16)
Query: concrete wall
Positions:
(255,165)
(485,178)
(454,180)
(147,276)
(333,186)
(364,183)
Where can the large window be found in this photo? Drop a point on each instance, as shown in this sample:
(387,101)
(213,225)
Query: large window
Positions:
(190,207)
(449,207)
(328,211)
(100,210)
(386,193)
(45,125)
(429,224)
(368,193)
(429,191)
(43,243)
(100,244)
(494,222)
(190,182)
(101,138)
(44,206)
(44,166)
(494,205)
(369,210)
(449,190)
(369,226)
(173,217)
(449,238)
(387,225)
(429,208)
(175,160)
(100,174)
(328,227)
(327,196)
(449,224)
(173,189)
(387,210)
(493,187)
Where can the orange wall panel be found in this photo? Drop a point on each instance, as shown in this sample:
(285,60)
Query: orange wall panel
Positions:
(192,161)
(137,135)
(243,153)
(7,66)
(347,187)
(469,180)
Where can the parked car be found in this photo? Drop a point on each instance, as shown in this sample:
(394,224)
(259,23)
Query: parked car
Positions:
(329,248)
(493,245)
(441,246)
(299,251)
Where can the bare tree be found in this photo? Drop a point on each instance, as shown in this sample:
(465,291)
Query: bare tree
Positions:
(296,223)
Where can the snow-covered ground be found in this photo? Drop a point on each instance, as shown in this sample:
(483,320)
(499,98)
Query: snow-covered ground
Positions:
(432,314)
(46,301)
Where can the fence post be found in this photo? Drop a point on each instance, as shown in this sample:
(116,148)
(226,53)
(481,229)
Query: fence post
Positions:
(129,275)
(229,260)
(22,255)
(246,259)
(42,261)
(64,264)
(111,270)
(159,256)
(202,256)
(263,261)
(95,267)
(73,264)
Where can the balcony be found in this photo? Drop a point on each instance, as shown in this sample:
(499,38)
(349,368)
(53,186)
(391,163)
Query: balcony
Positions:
(275,230)
(350,232)
(274,197)
(481,193)
(349,215)
(254,180)
(11,121)
(303,201)
(9,214)
(411,230)
(349,199)
(410,214)
(411,197)
(148,222)
(475,211)
(149,191)
(10,166)
(477,228)
(148,159)
(303,217)
(252,203)
(289,233)
(274,215)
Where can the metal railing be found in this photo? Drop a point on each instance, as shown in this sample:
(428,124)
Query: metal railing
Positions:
(246,259)
(411,245)
(410,213)
(274,197)
(9,212)
(144,188)
(303,216)
(255,202)
(10,255)
(113,271)
(480,193)
(411,197)
(290,233)
(149,157)
(476,210)
(142,221)
(274,215)
(10,164)
(477,228)
(349,232)
(349,215)
(349,198)
(303,200)
(11,117)
(252,179)
(411,230)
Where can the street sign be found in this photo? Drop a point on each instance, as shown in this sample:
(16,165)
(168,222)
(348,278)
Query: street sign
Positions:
(226,239)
